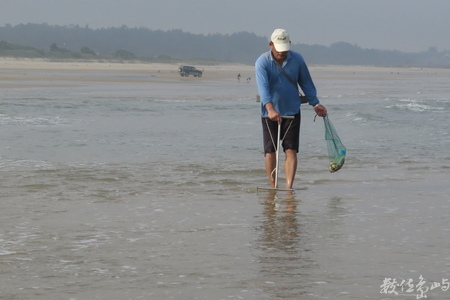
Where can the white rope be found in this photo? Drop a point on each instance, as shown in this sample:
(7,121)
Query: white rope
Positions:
(270,132)
(289,127)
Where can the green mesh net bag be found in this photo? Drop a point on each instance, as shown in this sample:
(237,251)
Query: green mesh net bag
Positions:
(336,150)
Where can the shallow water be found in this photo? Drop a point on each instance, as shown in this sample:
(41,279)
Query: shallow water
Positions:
(148,191)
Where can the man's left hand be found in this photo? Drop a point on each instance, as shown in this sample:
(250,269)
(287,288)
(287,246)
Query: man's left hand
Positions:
(320,110)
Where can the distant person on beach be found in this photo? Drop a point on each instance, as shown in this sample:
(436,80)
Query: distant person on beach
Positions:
(239,77)
(248,79)
(278,74)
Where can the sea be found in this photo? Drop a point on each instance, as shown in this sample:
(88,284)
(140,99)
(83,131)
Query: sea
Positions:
(135,187)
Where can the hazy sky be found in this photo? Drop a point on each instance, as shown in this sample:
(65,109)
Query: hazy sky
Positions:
(405,25)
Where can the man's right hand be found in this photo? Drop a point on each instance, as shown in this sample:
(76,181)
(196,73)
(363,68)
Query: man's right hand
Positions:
(272,113)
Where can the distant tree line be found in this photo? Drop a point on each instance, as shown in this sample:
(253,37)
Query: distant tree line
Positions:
(74,41)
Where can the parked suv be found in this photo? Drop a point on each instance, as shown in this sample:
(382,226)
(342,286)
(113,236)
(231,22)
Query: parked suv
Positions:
(188,70)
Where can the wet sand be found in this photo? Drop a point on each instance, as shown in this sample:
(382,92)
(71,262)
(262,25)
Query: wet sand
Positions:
(132,191)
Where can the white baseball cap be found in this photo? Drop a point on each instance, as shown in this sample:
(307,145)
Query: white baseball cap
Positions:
(280,40)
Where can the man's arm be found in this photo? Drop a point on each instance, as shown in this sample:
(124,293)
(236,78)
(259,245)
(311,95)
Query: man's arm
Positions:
(262,80)
(306,83)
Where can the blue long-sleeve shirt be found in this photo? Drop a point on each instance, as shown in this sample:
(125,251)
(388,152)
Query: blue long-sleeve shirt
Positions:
(275,87)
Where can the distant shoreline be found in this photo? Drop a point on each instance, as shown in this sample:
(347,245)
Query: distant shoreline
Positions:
(41,72)
(23,72)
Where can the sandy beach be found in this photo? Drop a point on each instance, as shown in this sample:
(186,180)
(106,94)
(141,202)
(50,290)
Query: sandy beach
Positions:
(16,72)
(24,73)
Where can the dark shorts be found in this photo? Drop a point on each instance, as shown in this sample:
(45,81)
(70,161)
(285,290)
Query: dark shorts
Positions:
(290,133)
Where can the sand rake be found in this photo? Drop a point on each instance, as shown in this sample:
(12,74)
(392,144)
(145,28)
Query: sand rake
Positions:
(275,171)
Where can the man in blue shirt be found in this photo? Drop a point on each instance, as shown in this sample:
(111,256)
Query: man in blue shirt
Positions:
(278,74)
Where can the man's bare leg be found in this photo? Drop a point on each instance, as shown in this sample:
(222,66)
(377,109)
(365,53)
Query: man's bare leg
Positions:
(271,162)
(290,167)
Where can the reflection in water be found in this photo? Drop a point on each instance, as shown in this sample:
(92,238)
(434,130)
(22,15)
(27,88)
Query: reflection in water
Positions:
(283,253)
(280,223)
